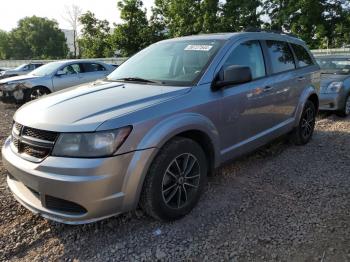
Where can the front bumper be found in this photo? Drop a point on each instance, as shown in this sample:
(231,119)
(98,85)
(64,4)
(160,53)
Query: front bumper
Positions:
(331,102)
(75,190)
(10,97)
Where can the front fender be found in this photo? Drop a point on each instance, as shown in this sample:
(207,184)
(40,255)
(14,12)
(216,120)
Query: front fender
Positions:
(150,144)
(309,91)
(163,131)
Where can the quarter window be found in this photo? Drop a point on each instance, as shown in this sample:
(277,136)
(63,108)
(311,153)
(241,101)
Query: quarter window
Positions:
(303,56)
(248,54)
(281,56)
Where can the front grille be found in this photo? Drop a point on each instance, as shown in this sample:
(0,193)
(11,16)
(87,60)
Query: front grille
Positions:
(62,205)
(39,134)
(34,151)
(31,143)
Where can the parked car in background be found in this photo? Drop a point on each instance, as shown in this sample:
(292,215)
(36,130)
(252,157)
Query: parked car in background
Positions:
(335,84)
(152,131)
(114,65)
(51,77)
(20,70)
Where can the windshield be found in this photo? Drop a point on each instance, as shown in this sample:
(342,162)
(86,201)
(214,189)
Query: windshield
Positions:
(47,69)
(339,66)
(168,63)
(20,67)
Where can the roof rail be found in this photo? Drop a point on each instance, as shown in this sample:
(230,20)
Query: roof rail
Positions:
(254,29)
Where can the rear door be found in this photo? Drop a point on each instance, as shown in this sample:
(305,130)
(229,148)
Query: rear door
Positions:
(283,87)
(93,71)
(305,70)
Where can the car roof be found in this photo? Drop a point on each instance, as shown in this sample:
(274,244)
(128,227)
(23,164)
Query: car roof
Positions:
(228,36)
(62,62)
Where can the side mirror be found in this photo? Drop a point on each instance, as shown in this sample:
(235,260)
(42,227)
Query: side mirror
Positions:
(60,73)
(232,75)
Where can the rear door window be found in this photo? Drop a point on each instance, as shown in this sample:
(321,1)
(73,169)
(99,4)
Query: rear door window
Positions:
(281,56)
(93,67)
(302,55)
(248,54)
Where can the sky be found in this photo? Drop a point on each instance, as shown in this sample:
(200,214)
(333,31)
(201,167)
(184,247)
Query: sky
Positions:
(13,10)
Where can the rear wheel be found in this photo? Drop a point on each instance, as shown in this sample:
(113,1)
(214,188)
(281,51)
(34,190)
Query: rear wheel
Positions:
(302,134)
(175,180)
(346,110)
(36,93)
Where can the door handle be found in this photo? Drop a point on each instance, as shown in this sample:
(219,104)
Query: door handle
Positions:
(267,88)
(301,78)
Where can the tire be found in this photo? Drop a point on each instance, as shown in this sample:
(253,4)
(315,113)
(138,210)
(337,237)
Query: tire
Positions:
(302,134)
(346,109)
(175,180)
(35,93)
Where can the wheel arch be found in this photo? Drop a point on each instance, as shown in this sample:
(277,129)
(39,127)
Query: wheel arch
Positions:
(309,93)
(190,125)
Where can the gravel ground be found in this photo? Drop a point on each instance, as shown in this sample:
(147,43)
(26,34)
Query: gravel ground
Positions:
(280,203)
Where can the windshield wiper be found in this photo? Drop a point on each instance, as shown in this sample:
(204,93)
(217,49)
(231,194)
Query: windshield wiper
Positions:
(137,79)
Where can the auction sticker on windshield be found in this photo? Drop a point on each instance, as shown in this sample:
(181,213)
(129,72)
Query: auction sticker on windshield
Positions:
(198,48)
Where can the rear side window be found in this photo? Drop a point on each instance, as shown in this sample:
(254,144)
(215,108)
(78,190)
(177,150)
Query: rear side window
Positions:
(303,56)
(93,67)
(248,54)
(281,56)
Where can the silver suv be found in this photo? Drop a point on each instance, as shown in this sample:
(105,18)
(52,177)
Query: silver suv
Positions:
(155,128)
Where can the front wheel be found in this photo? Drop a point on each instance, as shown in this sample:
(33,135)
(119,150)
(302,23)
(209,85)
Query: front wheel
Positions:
(302,134)
(175,180)
(36,93)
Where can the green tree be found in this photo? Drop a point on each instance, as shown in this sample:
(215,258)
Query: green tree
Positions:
(37,38)
(95,40)
(180,17)
(134,33)
(4,48)
(209,15)
(237,15)
(321,23)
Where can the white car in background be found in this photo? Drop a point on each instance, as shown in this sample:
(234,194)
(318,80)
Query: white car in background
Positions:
(50,78)
(20,70)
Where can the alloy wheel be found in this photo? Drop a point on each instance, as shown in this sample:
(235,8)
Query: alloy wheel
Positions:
(37,93)
(181,181)
(347,106)
(307,123)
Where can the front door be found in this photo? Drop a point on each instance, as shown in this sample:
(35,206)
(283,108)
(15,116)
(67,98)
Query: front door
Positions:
(71,76)
(247,108)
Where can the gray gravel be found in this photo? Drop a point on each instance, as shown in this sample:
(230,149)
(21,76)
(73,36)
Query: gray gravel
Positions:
(280,203)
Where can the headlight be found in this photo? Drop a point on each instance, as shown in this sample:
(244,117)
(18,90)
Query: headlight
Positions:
(333,87)
(97,144)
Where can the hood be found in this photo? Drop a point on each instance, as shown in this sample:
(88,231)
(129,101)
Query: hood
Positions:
(17,78)
(326,79)
(84,108)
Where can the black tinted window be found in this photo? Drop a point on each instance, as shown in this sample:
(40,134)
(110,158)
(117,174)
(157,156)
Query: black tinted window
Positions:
(281,56)
(93,67)
(303,56)
(248,54)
